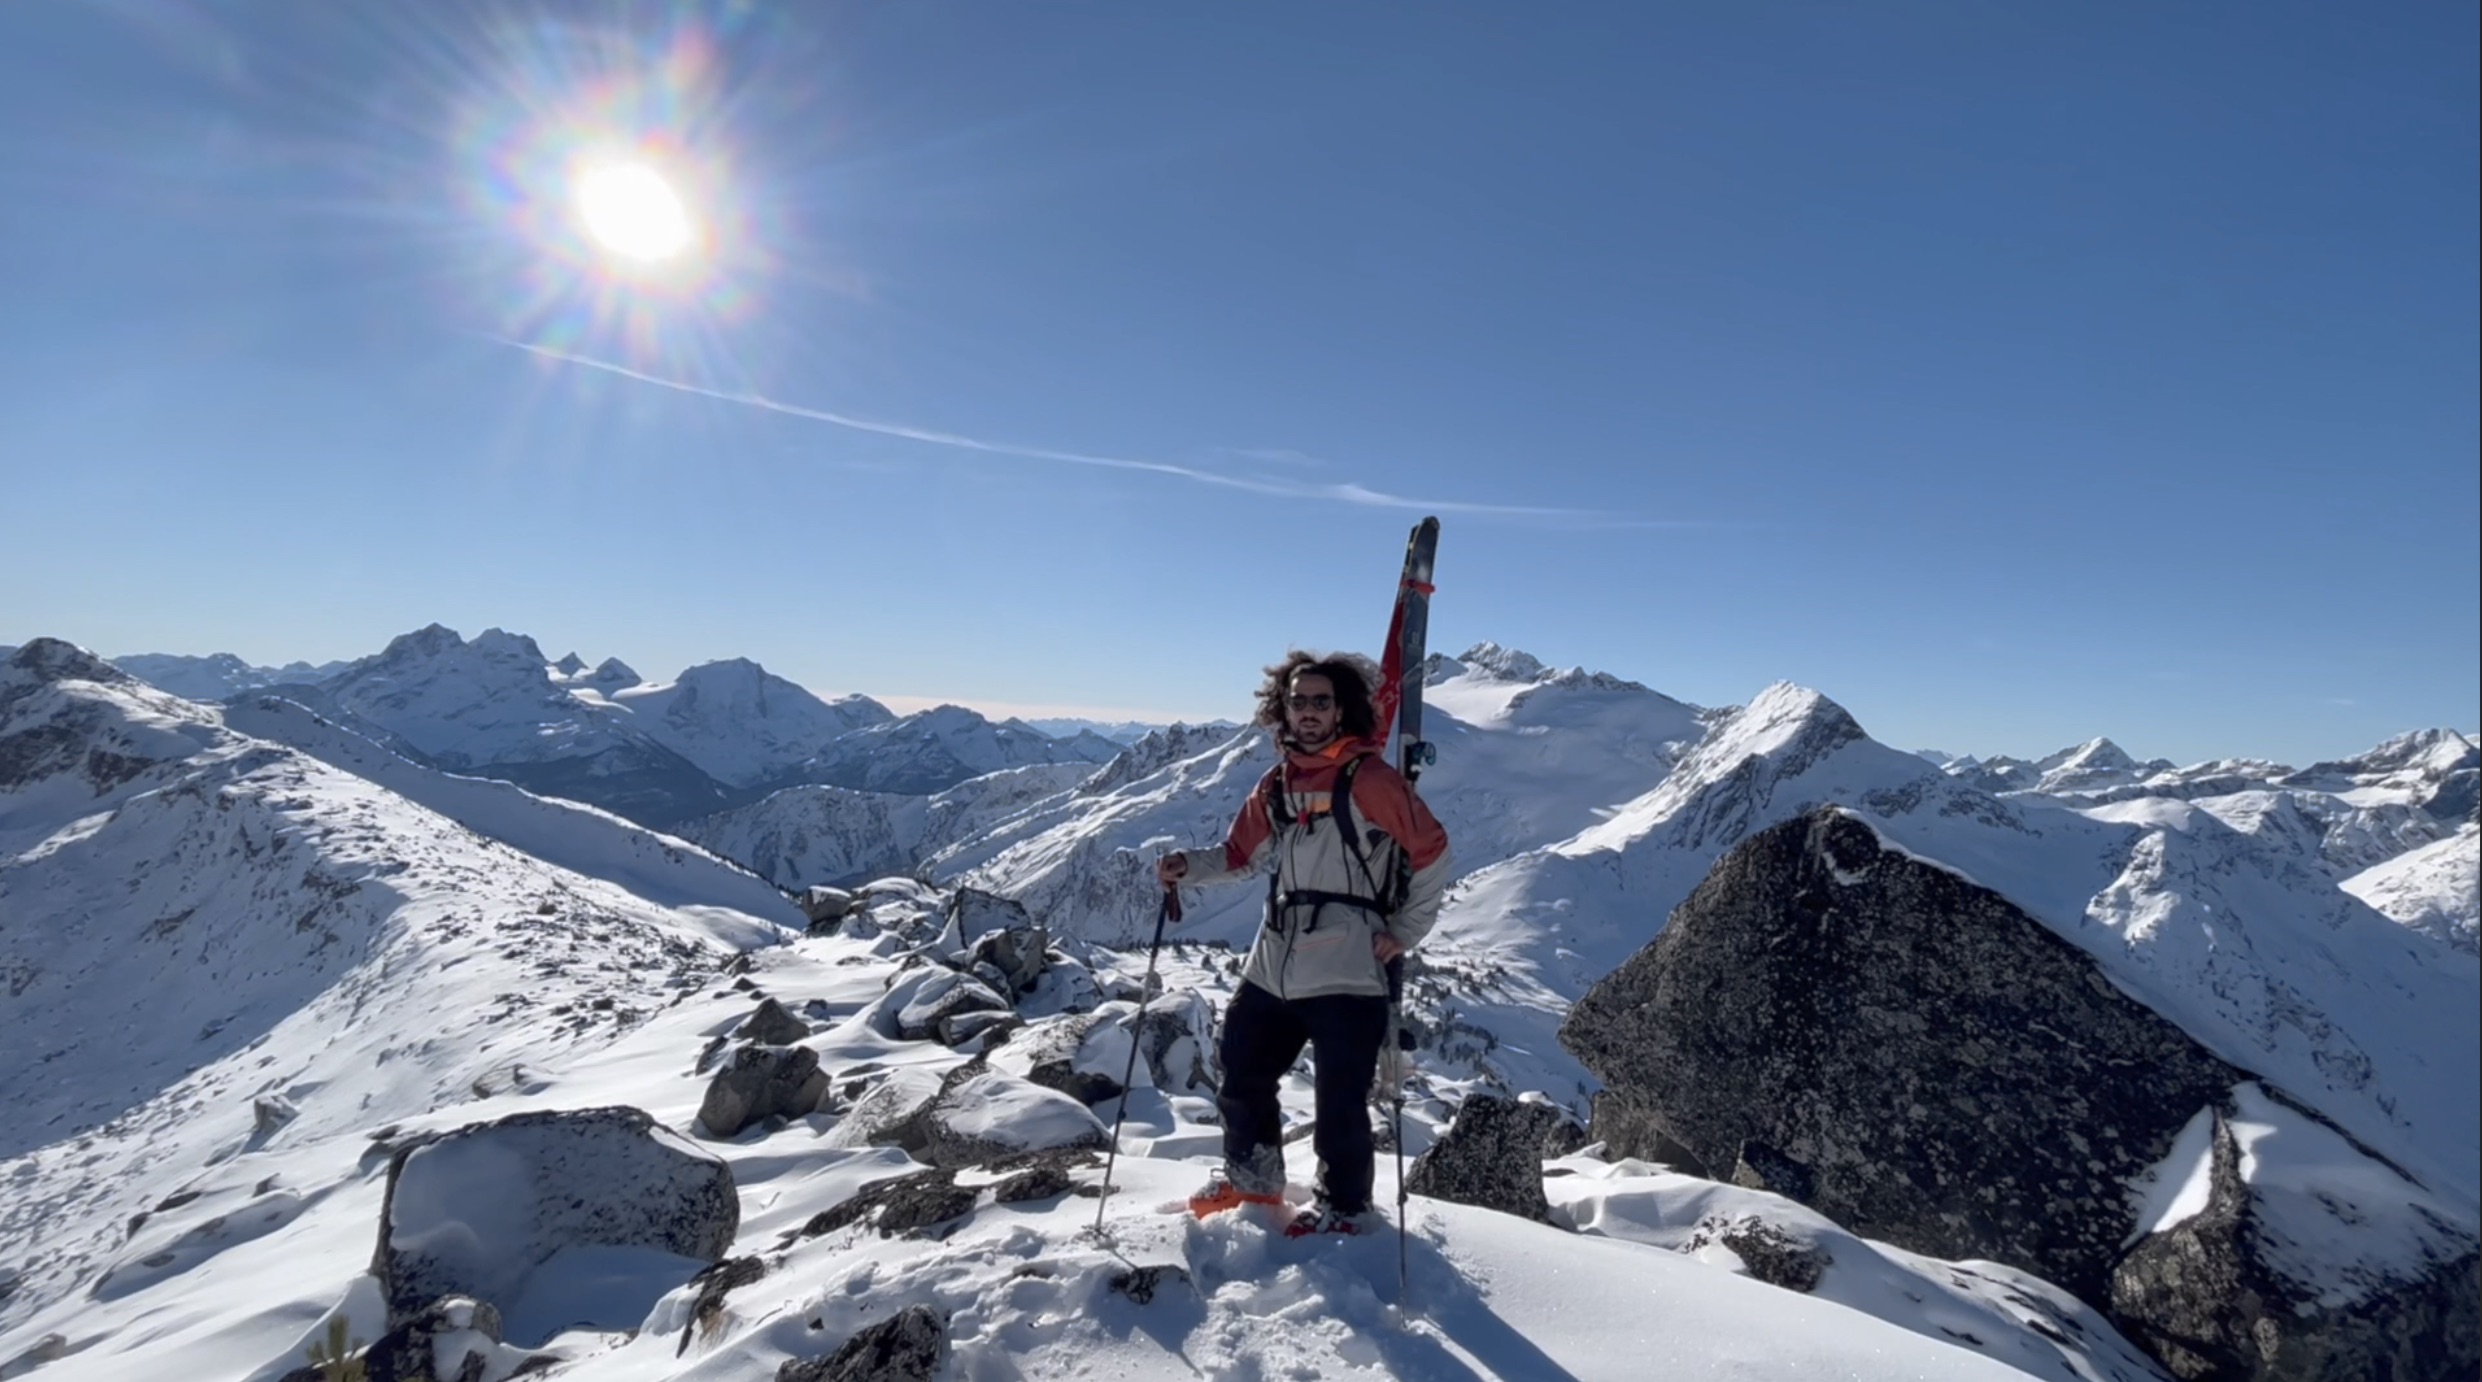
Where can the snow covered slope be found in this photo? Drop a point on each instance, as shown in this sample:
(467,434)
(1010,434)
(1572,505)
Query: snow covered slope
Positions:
(1023,1289)
(214,945)
(743,725)
(572,835)
(2435,890)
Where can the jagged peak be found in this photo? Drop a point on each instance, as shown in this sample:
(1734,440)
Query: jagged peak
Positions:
(614,672)
(570,665)
(57,659)
(1507,664)
(2097,752)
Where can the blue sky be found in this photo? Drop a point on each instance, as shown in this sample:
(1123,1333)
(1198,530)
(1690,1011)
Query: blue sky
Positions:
(2012,374)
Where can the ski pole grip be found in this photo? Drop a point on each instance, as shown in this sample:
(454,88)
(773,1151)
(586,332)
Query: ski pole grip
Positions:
(1171,911)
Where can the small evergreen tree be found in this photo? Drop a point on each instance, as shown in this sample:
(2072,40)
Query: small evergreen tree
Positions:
(334,1359)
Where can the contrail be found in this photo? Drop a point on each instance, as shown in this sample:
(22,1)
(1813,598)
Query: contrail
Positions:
(1281,489)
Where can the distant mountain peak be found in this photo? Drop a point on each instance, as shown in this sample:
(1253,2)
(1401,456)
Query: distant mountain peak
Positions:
(570,666)
(56,659)
(614,672)
(429,641)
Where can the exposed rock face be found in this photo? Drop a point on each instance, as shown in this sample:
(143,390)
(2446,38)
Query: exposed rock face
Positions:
(908,1346)
(2213,1295)
(475,1211)
(763,1082)
(1947,1074)
(1492,1156)
(410,1352)
(1917,1058)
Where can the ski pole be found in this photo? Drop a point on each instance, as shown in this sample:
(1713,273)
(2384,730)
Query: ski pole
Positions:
(1396,1013)
(1168,912)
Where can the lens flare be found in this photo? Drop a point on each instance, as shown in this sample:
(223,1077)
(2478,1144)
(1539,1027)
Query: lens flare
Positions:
(633,211)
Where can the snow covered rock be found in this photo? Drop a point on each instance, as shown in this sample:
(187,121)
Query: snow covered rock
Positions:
(1492,1156)
(984,1115)
(1081,1055)
(1176,1039)
(945,996)
(890,1114)
(762,1082)
(908,1346)
(2279,1251)
(1769,1252)
(480,1210)
(825,906)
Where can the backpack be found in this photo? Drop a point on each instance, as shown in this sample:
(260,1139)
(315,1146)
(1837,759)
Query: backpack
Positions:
(1383,901)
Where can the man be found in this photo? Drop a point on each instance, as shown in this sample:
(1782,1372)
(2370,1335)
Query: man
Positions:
(1339,909)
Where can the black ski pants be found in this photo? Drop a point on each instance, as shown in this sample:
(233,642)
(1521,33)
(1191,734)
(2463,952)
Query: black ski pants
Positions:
(1263,1036)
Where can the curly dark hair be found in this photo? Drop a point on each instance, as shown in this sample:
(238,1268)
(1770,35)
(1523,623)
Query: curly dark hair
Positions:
(1350,675)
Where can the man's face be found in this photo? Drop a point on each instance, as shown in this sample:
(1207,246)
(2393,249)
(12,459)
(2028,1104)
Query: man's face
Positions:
(1310,711)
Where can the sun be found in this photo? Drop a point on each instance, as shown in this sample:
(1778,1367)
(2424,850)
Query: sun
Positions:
(630,210)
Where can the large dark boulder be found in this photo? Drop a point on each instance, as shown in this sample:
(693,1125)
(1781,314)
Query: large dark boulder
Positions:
(1492,1156)
(1940,1069)
(762,1082)
(475,1211)
(1917,1058)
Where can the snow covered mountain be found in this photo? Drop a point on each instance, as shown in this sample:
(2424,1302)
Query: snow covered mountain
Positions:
(2436,889)
(741,724)
(245,969)
(489,707)
(1583,809)
(1122,732)
(800,837)
(217,675)
(935,749)
(213,943)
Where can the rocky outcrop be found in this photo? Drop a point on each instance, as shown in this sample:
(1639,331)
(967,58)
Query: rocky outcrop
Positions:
(2298,1272)
(474,1212)
(908,1346)
(1492,1156)
(1914,1056)
(419,1347)
(762,1082)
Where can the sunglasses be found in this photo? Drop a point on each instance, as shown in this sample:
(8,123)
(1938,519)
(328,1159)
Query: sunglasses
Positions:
(1311,702)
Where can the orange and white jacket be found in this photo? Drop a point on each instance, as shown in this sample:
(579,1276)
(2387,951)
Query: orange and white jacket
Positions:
(1324,904)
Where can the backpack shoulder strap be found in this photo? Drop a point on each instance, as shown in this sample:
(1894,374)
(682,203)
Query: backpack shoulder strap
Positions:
(1279,801)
